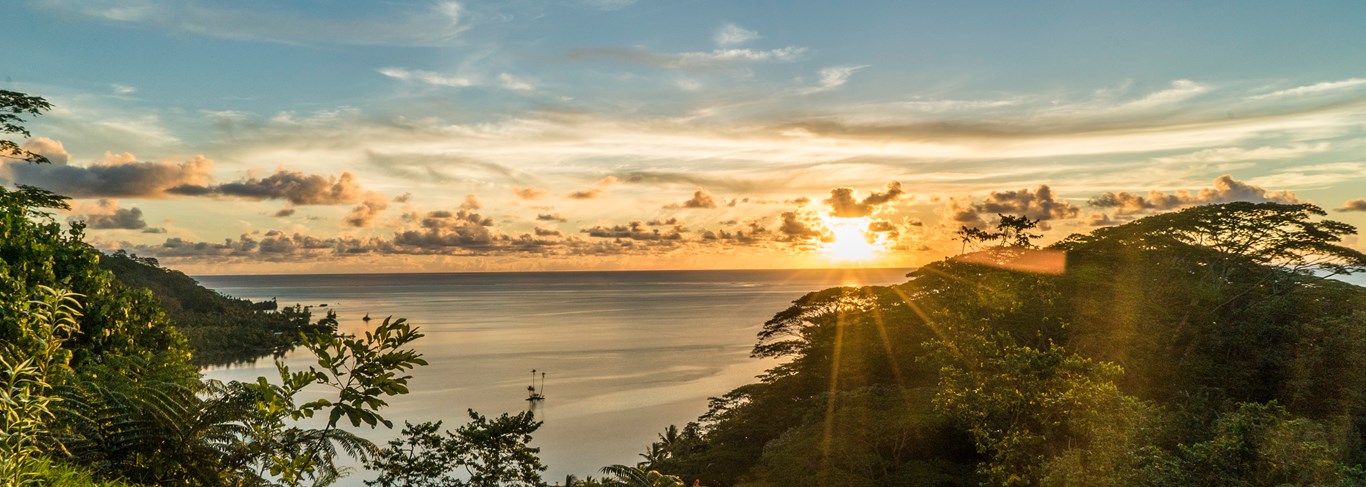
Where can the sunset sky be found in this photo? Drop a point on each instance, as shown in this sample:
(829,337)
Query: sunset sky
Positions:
(405,136)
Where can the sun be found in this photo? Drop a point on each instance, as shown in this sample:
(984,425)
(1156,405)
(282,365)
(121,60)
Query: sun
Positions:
(850,240)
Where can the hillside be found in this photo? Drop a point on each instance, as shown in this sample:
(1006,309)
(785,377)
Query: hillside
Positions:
(1202,347)
(220,329)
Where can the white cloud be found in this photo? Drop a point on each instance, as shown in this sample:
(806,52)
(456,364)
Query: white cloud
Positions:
(1231,154)
(122,89)
(1314,89)
(733,35)
(1179,91)
(514,83)
(428,77)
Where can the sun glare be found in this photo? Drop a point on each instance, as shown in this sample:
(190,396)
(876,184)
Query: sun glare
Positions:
(851,240)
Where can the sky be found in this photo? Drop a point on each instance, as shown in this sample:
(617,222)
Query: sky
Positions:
(420,136)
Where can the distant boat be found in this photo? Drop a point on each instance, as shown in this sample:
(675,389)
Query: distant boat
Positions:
(533,394)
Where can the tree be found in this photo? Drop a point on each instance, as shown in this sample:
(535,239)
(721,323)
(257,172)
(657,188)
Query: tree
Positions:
(490,452)
(637,476)
(362,371)
(13,106)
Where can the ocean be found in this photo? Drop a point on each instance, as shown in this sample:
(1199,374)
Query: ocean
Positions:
(625,354)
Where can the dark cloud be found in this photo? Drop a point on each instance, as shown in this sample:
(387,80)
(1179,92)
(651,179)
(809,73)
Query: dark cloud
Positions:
(1098,219)
(403,198)
(795,227)
(844,205)
(586,194)
(1358,204)
(700,199)
(118,176)
(1041,204)
(285,212)
(879,226)
(293,186)
(1225,189)
(551,217)
(528,193)
(364,214)
(725,184)
(106,215)
(444,168)
(661,223)
(634,231)
(547,232)
(444,229)
(154,230)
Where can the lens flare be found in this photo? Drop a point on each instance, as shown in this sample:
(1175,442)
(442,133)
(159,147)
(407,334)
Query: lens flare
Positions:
(850,240)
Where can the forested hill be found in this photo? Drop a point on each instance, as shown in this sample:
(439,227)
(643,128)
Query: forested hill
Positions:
(1202,347)
(220,329)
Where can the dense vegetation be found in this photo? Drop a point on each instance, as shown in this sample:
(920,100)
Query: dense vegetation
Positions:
(1202,347)
(220,329)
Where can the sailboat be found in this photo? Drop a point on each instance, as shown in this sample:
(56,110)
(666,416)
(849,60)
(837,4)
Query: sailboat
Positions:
(532,393)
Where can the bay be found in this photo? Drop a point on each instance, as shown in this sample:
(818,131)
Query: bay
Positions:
(625,353)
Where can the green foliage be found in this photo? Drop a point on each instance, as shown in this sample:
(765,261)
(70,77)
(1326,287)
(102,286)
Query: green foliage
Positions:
(219,329)
(638,476)
(362,371)
(1199,347)
(31,364)
(13,106)
(490,453)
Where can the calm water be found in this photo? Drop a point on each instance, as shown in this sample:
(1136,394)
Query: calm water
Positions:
(626,353)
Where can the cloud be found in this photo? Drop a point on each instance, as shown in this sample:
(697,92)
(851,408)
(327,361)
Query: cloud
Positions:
(52,149)
(833,77)
(107,215)
(796,227)
(586,194)
(1179,91)
(445,229)
(281,22)
(689,60)
(1230,154)
(364,214)
(285,212)
(732,35)
(470,203)
(700,199)
(1358,204)
(1041,204)
(843,205)
(528,193)
(119,89)
(514,83)
(117,176)
(1225,190)
(634,230)
(293,186)
(442,167)
(1314,89)
(551,217)
(426,77)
